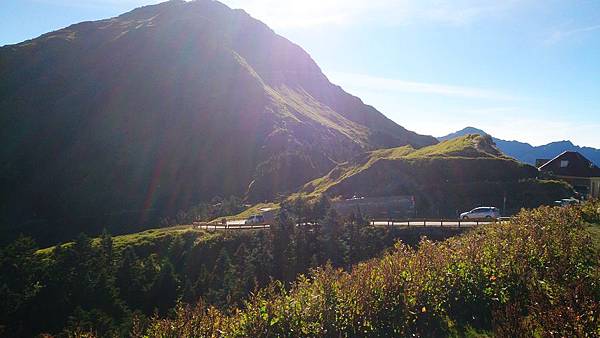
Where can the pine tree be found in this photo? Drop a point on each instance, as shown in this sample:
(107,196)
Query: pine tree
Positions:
(282,244)
(320,208)
(106,249)
(165,289)
(331,237)
(301,209)
(129,279)
(189,295)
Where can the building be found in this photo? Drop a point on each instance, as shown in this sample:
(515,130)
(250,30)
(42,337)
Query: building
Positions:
(575,169)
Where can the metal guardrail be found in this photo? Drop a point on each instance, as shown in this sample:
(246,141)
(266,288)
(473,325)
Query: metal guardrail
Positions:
(412,222)
(226,226)
(431,222)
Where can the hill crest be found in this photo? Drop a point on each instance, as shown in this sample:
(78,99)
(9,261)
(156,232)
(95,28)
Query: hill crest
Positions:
(458,174)
(527,153)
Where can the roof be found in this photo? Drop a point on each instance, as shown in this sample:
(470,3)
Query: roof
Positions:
(571,163)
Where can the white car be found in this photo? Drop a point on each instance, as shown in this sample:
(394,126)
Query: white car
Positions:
(565,202)
(481,213)
(255,219)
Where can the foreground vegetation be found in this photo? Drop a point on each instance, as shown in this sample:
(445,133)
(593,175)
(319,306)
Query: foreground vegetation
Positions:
(110,285)
(537,276)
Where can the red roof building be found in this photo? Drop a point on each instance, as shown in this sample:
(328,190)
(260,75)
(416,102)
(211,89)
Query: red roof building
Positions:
(575,169)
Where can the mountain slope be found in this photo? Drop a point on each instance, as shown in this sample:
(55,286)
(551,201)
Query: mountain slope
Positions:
(527,153)
(129,119)
(457,174)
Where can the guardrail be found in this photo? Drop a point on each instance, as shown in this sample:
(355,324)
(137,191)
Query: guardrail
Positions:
(411,222)
(431,222)
(226,226)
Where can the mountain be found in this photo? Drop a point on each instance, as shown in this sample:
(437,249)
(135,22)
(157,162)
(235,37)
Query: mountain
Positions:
(463,132)
(457,174)
(527,153)
(130,119)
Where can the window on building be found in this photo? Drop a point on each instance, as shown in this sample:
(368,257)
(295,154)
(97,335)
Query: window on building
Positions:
(564,164)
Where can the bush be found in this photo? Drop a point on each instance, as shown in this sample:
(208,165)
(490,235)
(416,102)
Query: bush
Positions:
(591,211)
(537,276)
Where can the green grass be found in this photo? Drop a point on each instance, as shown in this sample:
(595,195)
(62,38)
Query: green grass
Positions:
(151,236)
(301,107)
(253,210)
(469,147)
(148,237)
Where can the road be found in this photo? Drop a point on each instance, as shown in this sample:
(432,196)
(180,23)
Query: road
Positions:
(239,224)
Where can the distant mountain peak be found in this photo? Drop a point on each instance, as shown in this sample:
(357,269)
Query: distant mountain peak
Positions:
(527,153)
(473,130)
(566,143)
(463,132)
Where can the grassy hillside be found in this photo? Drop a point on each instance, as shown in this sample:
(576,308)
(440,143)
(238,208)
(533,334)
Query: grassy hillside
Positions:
(537,276)
(122,122)
(148,240)
(458,174)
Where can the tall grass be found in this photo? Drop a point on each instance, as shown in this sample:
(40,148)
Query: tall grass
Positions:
(537,276)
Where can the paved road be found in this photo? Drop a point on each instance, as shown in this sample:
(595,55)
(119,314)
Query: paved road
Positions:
(236,225)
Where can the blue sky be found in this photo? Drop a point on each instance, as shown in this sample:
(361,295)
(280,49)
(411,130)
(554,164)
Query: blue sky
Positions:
(519,69)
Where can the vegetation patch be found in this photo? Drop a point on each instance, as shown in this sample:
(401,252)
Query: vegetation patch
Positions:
(454,175)
(110,285)
(537,276)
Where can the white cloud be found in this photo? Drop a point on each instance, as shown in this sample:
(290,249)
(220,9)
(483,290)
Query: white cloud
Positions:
(285,14)
(560,35)
(381,84)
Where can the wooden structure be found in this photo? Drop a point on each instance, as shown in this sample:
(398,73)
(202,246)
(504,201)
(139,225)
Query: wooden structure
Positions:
(575,169)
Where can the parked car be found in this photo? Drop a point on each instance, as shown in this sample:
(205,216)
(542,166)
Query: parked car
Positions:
(565,202)
(481,213)
(254,219)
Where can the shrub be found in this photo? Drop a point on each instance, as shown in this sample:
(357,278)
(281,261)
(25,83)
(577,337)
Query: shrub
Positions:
(591,211)
(536,276)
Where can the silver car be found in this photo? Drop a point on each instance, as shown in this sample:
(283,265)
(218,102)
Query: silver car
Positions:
(481,213)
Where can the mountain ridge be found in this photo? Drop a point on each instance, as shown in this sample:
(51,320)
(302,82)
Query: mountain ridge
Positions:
(528,153)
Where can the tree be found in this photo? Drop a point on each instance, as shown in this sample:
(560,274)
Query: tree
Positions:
(189,295)
(332,223)
(106,248)
(19,282)
(301,209)
(282,243)
(331,237)
(129,279)
(320,208)
(165,289)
